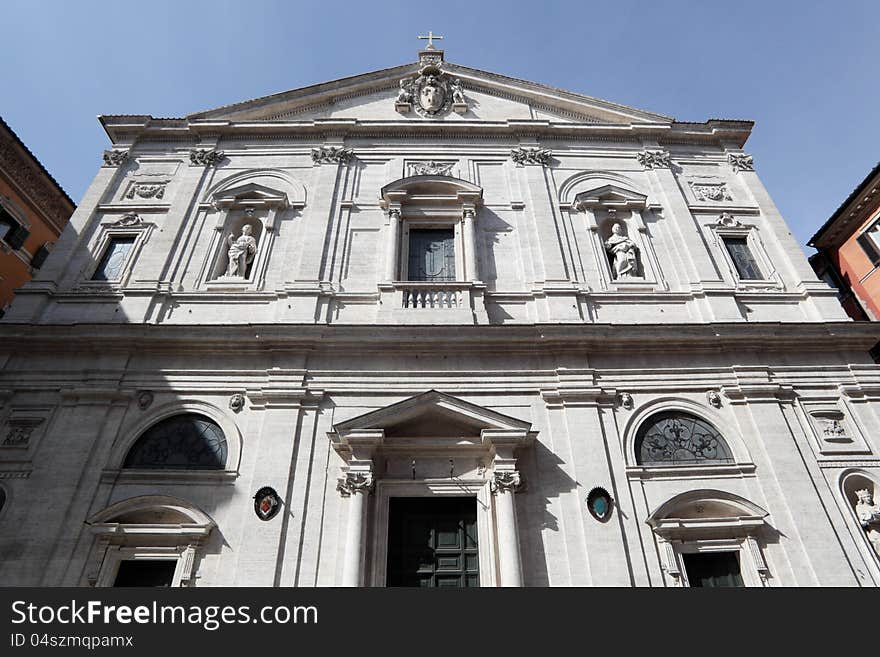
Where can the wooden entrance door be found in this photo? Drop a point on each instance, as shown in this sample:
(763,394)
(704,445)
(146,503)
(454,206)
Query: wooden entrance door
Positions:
(433,542)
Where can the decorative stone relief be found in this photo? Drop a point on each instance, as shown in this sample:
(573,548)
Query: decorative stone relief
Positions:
(623,254)
(115,157)
(831,426)
(506,481)
(655,159)
(144,399)
(331,155)
(741,162)
(429,168)
(127,220)
(20,430)
(236,402)
(523,156)
(205,157)
(704,191)
(146,190)
(713,398)
(626,400)
(432,93)
(727,220)
(355,482)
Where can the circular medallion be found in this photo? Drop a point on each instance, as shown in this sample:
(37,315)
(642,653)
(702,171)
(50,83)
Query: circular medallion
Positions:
(599,504)
(266,503)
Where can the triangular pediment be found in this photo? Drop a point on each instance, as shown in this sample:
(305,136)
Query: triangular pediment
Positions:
(489,96)
(432,414)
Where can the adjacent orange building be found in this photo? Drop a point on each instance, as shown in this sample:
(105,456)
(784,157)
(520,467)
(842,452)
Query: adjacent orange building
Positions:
(848,245)
(33,212)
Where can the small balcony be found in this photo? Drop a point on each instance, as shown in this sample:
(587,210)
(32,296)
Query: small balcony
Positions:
(420,302)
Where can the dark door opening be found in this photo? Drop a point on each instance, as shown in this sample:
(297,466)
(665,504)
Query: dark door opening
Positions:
(713,569)
(144,572)
(433,542)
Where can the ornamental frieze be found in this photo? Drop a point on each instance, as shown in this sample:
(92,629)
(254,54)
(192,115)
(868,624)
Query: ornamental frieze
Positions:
(429,168)
(705,191)
(146,190)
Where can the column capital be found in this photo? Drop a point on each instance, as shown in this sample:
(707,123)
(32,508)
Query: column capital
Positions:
(355,482)
(506,481)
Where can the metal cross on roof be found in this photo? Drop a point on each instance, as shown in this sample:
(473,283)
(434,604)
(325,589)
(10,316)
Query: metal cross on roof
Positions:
(430,38)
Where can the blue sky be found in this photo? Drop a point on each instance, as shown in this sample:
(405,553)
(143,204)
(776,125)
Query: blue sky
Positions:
(804,71)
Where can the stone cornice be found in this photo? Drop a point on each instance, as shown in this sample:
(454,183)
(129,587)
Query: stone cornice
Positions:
(259,338)
(31,179)
(128,129)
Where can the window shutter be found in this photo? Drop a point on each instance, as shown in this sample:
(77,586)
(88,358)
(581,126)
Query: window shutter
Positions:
(869,247)
(17,236)
(40,256)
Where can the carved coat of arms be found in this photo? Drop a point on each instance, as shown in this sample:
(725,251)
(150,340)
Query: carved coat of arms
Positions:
(432,93)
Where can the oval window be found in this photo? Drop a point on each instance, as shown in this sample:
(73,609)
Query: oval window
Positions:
(599,504)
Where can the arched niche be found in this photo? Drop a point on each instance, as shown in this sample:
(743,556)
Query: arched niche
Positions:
(861,491)
(257,199)
(739,457)
(156,530)
(132,433)
(625,255)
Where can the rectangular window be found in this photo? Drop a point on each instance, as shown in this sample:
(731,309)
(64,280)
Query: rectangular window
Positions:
(742,257)
(713,569)
(114,259)
(869,245)
(144,572)
(432,255)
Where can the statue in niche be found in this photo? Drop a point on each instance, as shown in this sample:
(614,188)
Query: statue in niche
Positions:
(241,252)
(624,254)
(868,513)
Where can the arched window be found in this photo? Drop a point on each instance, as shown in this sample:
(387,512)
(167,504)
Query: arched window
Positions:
(183,442)
(679,438)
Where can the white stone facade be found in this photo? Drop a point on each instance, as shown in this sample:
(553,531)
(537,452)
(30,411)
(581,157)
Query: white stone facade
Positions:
(262,282)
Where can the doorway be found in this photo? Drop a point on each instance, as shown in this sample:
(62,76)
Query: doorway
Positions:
(432,542)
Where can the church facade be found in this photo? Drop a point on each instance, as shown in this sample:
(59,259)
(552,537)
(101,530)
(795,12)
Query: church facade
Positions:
(434,326)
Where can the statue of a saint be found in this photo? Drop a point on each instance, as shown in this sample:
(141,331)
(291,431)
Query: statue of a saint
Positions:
(624,254)
(241,252)
(868,513)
